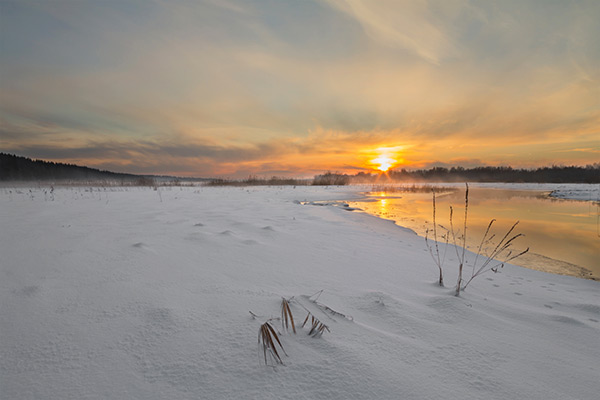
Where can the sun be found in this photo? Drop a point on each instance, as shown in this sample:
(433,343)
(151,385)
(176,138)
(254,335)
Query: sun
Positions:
(382,159)
(384,163)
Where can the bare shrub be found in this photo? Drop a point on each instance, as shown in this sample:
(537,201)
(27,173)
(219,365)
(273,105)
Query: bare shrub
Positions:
(331,179)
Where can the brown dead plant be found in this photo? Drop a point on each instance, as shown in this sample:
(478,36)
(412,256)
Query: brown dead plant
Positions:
(268,337)
(434,249)
(317,327)
(500,254)
(287,318)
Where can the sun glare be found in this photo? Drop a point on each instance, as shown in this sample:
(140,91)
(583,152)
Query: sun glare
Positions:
(384,158)
(384,163)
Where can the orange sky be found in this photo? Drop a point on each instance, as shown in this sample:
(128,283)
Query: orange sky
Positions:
(238,88)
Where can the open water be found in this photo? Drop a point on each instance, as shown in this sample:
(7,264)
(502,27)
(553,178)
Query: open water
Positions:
(563,236)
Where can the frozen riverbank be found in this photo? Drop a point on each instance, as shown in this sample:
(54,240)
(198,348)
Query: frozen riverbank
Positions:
(136,293)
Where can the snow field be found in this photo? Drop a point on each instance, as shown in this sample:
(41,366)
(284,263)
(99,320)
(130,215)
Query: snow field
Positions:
(137,293)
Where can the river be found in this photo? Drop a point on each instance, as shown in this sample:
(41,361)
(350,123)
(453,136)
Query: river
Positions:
(563,236)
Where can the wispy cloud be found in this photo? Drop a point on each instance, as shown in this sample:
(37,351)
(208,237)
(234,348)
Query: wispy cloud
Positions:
(411,25)
(235,87)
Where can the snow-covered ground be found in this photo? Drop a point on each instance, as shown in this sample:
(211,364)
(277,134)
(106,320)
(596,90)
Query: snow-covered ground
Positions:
(135,293)
(577,192)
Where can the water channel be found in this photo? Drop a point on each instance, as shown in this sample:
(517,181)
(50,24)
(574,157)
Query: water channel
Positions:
(563,235)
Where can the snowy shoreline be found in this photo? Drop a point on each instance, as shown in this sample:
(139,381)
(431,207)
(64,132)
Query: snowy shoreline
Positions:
(141,293)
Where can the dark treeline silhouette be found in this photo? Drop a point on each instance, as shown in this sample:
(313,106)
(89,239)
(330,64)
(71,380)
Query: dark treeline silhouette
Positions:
(571,174)
(554,174)
(256,181)
(17,168)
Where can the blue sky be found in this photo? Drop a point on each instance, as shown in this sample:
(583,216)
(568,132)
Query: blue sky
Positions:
(232,88)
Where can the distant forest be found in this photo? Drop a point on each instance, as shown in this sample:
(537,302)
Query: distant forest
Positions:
(554,174)
(17,168)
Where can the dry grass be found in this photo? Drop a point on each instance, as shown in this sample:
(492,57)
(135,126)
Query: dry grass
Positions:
(317,327)
(287,318)
(415,188)
(256,181)
(501,253)
(491,254)
(268,337)
(503,250)
(461,255)
(434,250)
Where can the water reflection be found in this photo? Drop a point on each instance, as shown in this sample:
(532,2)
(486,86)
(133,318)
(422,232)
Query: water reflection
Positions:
(383,207)
(562,234)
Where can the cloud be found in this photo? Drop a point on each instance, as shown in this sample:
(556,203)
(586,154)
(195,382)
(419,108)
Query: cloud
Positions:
(410,25)
(235,87)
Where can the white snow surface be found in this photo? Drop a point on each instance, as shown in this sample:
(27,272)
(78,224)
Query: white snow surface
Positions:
(135,293)
(589,192)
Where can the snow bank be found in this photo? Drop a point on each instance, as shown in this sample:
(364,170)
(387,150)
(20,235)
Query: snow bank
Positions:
(569,191)
(132,293)
(577,192)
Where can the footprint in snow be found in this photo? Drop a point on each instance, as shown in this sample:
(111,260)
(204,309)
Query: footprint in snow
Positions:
(591,308)
(143,246)
(566,320)
(27,291)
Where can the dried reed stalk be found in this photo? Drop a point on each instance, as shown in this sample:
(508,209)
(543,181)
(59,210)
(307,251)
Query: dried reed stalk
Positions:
(266,334)
(286,316)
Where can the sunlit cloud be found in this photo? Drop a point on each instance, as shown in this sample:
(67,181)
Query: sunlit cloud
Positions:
(231,88)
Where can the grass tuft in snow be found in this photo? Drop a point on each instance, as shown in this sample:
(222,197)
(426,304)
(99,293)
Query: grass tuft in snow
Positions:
(317,327)
(266,334)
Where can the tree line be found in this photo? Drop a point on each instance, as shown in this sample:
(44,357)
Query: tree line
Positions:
(17,168)
(554,174)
